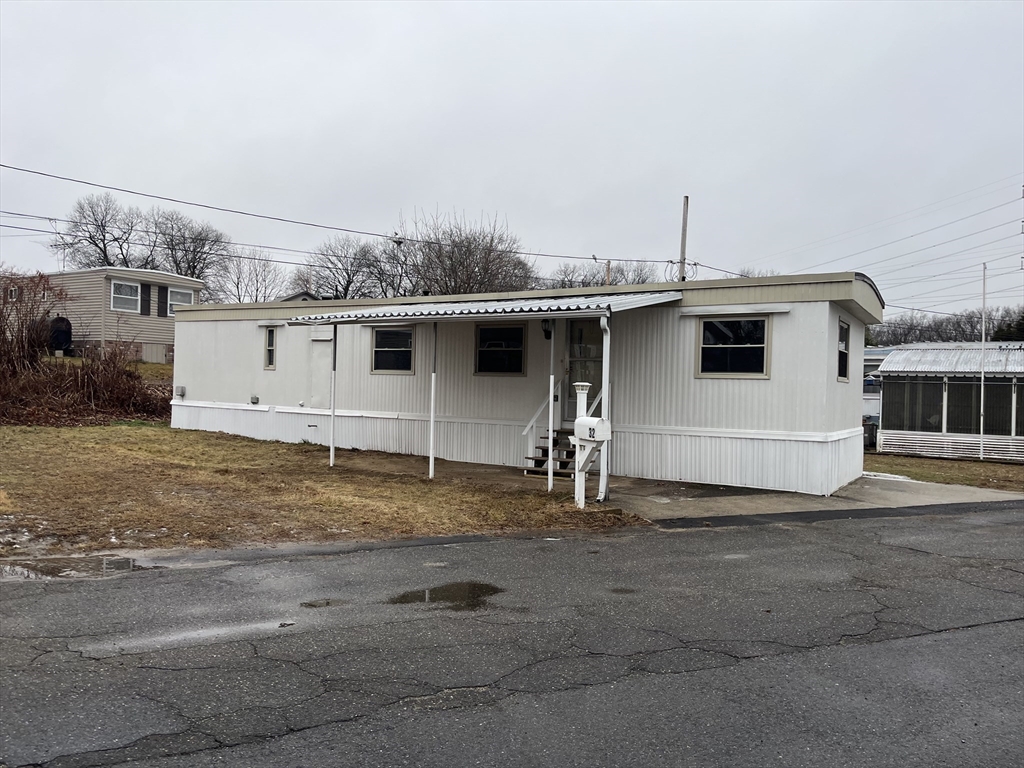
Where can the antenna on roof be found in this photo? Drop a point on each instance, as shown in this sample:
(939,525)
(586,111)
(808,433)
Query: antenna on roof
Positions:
(682,240)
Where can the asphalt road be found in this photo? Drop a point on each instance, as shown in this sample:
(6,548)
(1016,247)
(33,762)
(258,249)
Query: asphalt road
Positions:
(889,641)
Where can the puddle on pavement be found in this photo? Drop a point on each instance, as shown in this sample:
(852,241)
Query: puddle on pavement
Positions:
(93,567)
(322,603)
(457,595)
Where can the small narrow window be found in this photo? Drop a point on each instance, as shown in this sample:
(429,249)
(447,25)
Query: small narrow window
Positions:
(12,293)
(500,349)
(270,350)
(844,351)
(181,298)
(734,347)
(124,297)
(392,350)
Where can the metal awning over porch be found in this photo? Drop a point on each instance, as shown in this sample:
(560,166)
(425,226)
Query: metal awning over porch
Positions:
(550,307)
(545,308)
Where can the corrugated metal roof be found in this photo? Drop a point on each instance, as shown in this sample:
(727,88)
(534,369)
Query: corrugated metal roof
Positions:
(956,359)
(553,306)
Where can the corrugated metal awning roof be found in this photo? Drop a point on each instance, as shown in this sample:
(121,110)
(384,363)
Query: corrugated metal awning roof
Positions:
(956,360)
(559,306)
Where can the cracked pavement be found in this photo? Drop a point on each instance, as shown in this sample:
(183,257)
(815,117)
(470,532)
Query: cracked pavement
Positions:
(863,642)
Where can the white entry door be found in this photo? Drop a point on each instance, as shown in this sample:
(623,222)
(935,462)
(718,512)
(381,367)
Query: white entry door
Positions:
(585,350)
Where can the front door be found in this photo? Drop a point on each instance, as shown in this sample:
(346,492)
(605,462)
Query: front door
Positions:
(585,347)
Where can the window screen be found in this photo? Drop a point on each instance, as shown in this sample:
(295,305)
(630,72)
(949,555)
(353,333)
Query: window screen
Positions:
(964,403)
(912,404)
(734,346)
(392,349)
(500,349)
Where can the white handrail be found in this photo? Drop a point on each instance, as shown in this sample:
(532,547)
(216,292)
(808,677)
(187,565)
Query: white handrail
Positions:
(544,405)
(540,410)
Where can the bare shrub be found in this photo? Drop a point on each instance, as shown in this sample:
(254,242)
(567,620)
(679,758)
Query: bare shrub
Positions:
(37,390)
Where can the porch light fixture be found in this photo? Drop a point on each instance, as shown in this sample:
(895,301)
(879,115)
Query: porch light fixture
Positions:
(546,327)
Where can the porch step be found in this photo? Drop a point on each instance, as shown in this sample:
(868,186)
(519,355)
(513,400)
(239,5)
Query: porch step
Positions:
(564,474)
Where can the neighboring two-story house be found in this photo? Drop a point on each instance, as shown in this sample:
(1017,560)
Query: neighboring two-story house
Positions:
(135,307)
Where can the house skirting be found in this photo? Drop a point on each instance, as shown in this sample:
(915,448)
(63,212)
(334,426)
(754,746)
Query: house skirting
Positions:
(805,462)
(950,446)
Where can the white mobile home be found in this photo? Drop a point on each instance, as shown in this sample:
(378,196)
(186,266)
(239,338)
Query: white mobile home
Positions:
(748,382)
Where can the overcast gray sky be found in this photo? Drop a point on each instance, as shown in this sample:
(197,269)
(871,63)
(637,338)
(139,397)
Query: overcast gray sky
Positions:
(582,124)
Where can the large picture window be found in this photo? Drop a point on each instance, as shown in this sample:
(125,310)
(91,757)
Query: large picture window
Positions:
(124,297)
(392,350)
(501,349)
(734,347)
(181,298)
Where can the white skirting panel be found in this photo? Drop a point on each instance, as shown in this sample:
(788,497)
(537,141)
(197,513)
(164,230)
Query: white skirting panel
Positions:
(804,462)
(817,467)
(457,440)
(948,446)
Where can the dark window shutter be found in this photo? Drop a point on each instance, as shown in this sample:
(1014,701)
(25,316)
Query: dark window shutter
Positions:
(144,300)
(161,301)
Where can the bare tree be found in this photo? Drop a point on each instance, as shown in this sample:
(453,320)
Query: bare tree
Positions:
(586,275)
(1002,323)
(188,247)
(26,301)
(393,269)
(248,276)
(453,255)
(750,272)
(340,267)
(101,233)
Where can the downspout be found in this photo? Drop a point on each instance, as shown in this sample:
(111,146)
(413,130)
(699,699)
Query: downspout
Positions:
(606,334)
(433,401)
(334,389)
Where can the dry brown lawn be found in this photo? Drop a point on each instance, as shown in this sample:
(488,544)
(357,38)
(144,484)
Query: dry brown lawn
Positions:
(983,474)
(145,485)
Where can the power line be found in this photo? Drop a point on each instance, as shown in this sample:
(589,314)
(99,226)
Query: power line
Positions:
(922,232)
(897,216)
(244,257)
(948,255)
(298,222)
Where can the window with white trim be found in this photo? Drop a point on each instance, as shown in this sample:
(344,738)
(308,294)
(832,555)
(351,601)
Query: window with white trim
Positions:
(501,349)
(124,297)
(12,293)
(844,351)
(270,349)
(734,347)
(392,350)
(175,296)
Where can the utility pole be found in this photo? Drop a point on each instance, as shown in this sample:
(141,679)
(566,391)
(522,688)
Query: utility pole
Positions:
(981,427)
(682,240)
(608,272)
